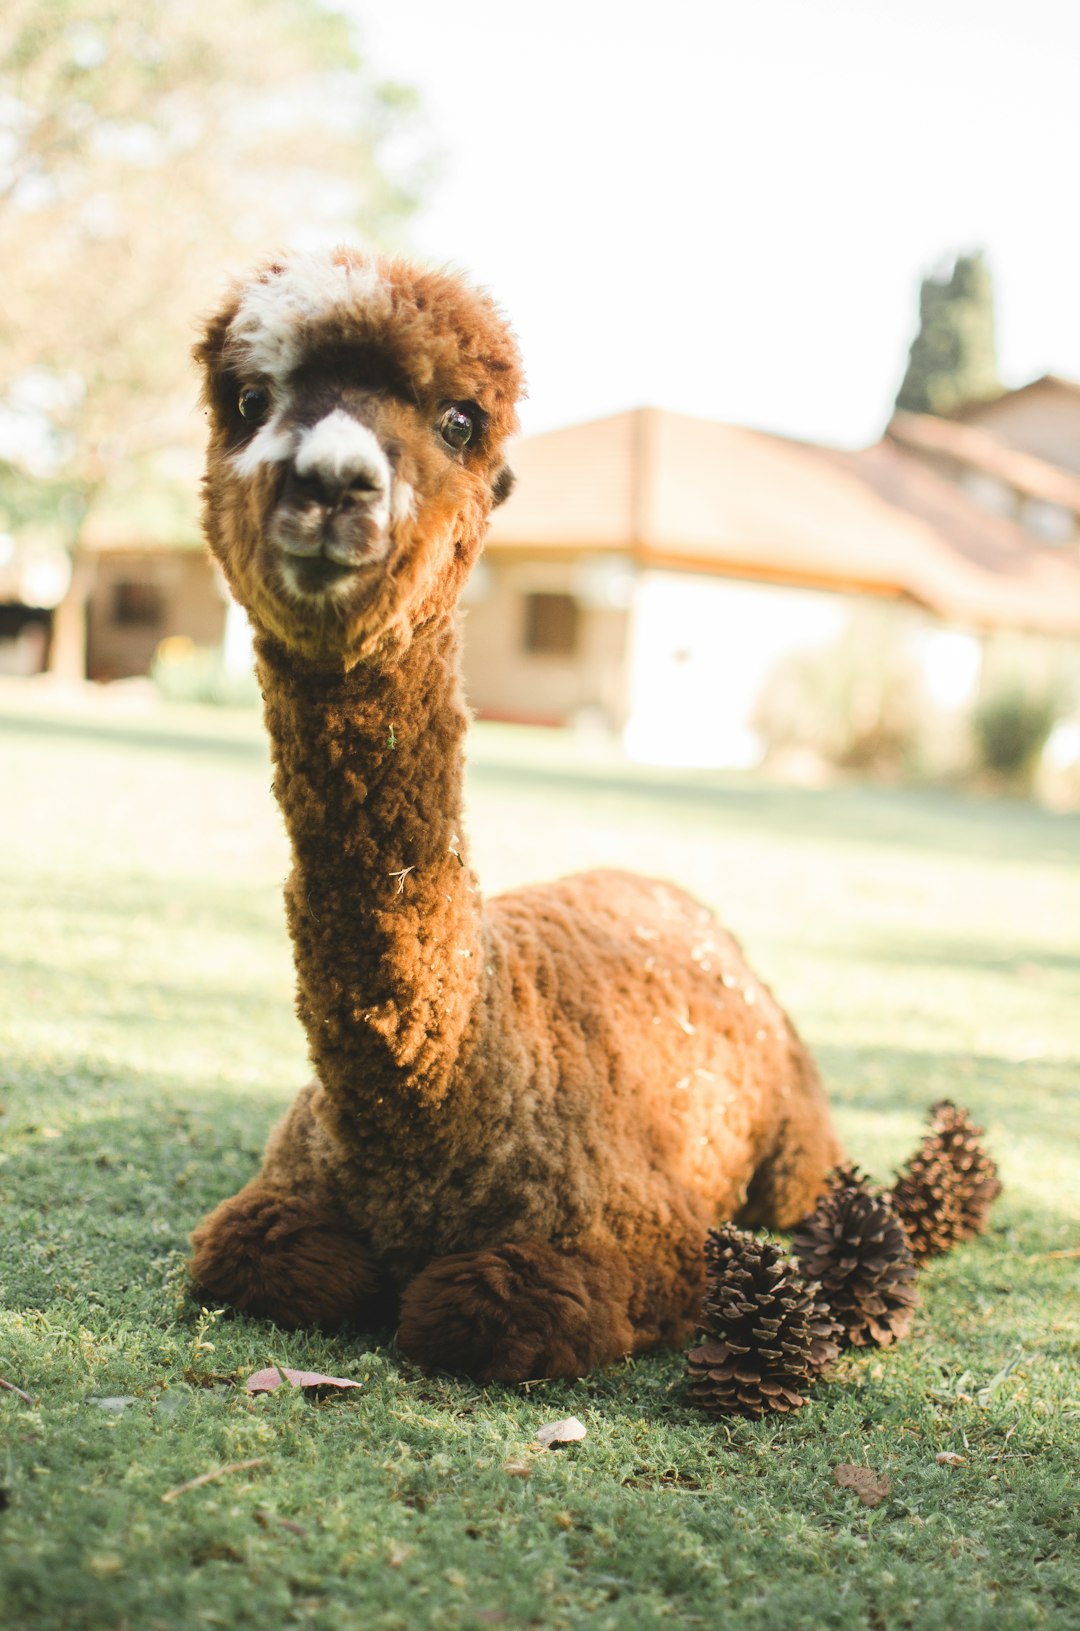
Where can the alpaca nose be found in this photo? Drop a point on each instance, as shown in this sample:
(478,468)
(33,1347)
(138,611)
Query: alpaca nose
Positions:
(330,490)
(339,460)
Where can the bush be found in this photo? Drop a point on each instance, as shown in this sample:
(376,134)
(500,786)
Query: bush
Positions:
(858,702)
(185,672)
(1010,728)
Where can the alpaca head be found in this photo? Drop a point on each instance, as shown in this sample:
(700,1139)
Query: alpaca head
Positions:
(359,408)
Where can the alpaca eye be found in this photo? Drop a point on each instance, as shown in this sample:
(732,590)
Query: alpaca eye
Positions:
(456,427)
(252,403)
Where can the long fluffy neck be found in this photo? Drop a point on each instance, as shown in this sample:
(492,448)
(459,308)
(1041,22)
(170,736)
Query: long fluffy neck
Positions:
(384,913)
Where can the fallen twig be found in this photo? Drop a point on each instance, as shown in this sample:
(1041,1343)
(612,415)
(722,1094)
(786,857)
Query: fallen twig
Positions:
(1067,1251)
(208,1477)
(11,1388)
(266,1520)
(999,1455)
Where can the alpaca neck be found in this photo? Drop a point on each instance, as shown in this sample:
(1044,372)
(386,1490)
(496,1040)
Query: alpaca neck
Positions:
(384,914)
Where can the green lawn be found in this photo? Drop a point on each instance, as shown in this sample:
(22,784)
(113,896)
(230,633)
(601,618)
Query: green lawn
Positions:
(928,945)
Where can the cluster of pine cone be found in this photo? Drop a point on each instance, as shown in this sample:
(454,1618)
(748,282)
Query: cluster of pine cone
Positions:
(772,1323)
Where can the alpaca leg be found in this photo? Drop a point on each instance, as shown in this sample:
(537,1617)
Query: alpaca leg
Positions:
(519,1311)
(790,1180)
(280,1257)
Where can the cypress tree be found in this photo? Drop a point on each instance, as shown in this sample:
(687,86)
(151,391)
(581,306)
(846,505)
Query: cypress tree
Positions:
(953,359)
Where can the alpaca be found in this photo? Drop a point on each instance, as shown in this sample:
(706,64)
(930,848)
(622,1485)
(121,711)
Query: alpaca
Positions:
(526,1115)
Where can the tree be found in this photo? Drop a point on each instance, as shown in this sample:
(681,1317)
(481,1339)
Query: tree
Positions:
(953,358)
(146,148)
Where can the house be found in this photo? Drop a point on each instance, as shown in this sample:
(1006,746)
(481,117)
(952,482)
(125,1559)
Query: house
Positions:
(148,572)
(32,582)
(651,570)
(141,574)
(1017,455)
(139,596)
(1041,418)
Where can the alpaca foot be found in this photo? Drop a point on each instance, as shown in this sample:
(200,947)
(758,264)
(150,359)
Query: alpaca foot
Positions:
(518,1312)
(277,1256)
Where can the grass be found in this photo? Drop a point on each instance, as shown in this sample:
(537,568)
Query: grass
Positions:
(927,945)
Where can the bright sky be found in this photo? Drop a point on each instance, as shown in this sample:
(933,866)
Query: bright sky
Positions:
(726,208)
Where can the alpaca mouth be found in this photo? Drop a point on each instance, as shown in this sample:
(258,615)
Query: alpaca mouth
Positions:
(318,574)
(320,553)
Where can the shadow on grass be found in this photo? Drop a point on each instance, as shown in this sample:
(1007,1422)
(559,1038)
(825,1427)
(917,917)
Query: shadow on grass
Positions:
(137,737)
(933,820)
(1033,1096)
(181,901)
(939,950)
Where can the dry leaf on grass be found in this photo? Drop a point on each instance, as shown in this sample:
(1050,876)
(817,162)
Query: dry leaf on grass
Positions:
(561,1432)
(517,1469)
(871,1487)
(267,1381)
(949,1458)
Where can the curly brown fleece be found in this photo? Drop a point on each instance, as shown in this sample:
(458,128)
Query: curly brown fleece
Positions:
(526,1115)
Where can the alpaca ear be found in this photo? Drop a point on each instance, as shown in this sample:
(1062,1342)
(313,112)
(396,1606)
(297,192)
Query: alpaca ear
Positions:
(208,348)
(209,351)
(502,485)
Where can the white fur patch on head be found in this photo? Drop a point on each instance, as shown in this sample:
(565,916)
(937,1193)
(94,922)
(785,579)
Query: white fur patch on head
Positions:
(340,448)
(266,328)
(271,445)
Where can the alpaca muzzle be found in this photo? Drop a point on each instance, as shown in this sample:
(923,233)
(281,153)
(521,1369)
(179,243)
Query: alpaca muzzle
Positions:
(333,509)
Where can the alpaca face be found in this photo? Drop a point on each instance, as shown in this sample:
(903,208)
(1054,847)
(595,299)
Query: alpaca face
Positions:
(359,410)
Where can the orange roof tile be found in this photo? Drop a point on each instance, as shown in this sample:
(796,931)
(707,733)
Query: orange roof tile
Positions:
(1053,382)
(688,493)
(980,450)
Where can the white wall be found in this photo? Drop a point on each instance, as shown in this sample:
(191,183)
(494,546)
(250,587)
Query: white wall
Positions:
(700,650)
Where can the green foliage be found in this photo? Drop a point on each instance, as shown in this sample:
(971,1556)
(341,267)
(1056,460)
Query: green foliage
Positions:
(953,358)
(857,702)
(924,941)
(184,672)
(56,506)
(148,148)
(1010,728)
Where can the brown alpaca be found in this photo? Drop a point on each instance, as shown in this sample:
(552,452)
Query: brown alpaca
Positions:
(526,1116)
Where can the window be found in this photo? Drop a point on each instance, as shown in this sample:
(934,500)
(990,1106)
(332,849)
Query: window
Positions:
(551,625)
(989,492)
(1052,523)
(138,605)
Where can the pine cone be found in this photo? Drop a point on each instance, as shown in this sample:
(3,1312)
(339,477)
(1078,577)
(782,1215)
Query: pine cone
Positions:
(945,1192)
(768,1336)
(977,1185)
(925,1204)
(855,1245)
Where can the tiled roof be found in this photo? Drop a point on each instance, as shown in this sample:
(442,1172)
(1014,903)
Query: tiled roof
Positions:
(688,493)
(1045,382)
(979,450)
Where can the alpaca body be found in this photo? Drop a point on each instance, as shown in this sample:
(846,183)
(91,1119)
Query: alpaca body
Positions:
(525,1117)
(575,1108)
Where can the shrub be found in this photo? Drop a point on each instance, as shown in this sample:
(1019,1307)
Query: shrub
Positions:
(858,702)
(185,672)
(1010,728)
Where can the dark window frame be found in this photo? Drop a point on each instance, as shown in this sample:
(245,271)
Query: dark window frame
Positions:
(552,624)
(137,603)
